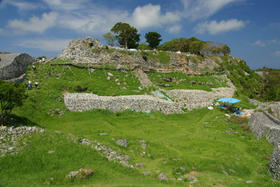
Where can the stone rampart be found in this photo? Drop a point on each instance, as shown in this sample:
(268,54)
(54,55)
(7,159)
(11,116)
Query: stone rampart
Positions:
(265,125)
(141,103)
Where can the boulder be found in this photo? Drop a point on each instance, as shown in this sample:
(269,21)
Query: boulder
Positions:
(14,65)
(122,142)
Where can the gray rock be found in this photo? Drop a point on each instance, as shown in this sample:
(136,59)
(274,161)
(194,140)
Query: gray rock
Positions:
(14,65)
(80,174)
(162,177)
(146,173)
(122,142)
(110,74)
(249,182)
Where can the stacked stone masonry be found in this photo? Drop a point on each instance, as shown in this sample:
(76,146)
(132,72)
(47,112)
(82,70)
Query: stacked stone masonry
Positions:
(140,103)
(187,99)
(265,125)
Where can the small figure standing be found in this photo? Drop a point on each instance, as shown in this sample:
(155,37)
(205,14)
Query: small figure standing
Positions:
(33,67)
(29,85)
(36,84)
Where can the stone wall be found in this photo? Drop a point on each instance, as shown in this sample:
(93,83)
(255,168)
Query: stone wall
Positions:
(141,103)
(193,99)
(265,125)
(275,109)
(188,99)
(14,65)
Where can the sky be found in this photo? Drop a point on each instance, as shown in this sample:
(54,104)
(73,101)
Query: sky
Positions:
(251,28)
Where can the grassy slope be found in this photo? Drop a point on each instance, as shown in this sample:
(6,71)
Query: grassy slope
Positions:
(203,141)
(34,166)
(185,84)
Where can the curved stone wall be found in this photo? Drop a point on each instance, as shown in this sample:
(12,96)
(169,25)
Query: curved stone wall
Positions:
(265,125)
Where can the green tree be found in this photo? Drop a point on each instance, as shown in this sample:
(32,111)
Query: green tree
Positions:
(226,50)
(153,39)
(11,95)
(197,47)
(127,36)
(110,38)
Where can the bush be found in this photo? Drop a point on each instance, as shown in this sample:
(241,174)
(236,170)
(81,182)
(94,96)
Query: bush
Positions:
(80,88)
(11,95)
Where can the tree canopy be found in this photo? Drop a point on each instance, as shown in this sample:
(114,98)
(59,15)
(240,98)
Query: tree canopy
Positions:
(153,39)
(110,38)
(127,35)
(11,95)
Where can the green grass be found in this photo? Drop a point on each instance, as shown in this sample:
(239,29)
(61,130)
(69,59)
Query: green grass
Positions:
(201,141)
(183,81)
(34,166)
(66,78)
(161,57)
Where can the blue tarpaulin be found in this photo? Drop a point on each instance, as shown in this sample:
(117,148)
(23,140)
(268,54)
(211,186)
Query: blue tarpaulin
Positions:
(229,100)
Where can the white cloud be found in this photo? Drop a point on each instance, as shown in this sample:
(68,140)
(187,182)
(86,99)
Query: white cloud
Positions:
(197,9)
(174,29)
(34,24)
(87,17)
(90,23)
(215,27)
(277,53)
(49,45)
(150,16)
(21,5)
(259,43)
(67,5)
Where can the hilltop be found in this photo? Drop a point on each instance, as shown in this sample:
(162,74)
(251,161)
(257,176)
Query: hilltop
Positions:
(135,143)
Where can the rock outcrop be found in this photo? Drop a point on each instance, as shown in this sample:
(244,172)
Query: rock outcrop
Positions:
(14,65)
(91,51)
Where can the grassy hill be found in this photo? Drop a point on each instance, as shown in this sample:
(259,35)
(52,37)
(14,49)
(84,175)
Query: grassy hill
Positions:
(200,145)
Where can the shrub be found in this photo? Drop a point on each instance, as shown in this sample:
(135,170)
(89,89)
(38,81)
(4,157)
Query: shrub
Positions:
(80,88)
(11,95)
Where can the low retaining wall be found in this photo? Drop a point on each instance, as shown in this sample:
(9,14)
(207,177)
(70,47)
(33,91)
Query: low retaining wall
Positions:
(141,103)
(193,99)
(265,125)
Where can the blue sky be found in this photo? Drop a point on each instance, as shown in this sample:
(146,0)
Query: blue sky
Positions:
(44,27)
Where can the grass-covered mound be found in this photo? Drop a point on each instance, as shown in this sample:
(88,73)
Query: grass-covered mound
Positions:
(216,150)
(180,80)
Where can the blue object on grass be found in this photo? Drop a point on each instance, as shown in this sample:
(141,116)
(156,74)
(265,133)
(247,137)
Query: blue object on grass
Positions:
(229,100)
(162,95)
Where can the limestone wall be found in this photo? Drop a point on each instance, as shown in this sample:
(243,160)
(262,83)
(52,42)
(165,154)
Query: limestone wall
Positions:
(265,125)
(142,103)
(193,99)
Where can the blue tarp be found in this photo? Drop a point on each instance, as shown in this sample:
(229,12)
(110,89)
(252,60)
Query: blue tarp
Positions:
(229,100)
